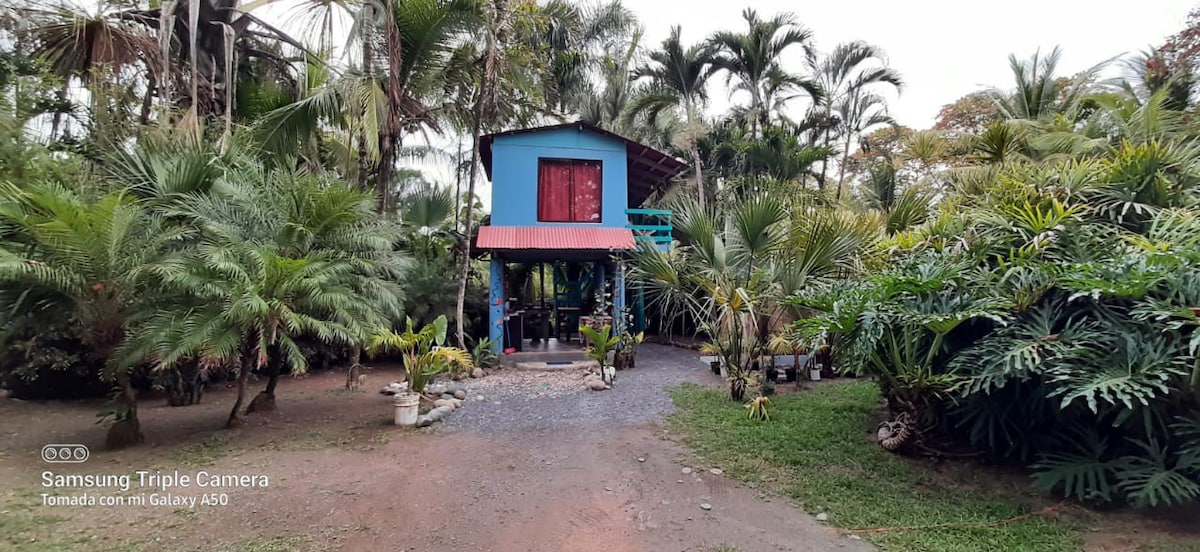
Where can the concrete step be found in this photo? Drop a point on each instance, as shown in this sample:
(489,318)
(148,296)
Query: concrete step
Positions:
(511,360)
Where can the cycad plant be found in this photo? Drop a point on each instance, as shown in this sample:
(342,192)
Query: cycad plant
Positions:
(248,303)
(92,257)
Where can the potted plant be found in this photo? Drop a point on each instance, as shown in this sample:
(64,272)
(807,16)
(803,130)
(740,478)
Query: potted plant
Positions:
(626,354)
(424,356)
(600,343)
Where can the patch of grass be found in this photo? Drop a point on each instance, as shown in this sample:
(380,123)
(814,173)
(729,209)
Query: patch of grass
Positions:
(25,530)
(819,449)
(381,438)
(202,454)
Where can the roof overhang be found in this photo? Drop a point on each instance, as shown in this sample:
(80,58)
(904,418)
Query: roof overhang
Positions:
(507,239)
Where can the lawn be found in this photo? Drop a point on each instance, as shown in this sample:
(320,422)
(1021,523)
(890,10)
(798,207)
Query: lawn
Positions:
(818,448)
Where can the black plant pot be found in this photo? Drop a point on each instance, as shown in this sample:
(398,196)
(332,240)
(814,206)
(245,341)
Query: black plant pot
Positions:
(772,374)
(716,367)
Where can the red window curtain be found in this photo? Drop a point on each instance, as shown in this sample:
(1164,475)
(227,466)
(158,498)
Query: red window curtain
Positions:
(585,187)
(569,190)
(554,191)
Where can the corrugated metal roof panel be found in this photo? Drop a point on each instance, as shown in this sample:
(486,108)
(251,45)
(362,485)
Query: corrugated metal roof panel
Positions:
(554,237)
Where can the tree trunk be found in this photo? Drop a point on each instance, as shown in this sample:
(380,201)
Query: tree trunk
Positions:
(485,108)
(824,162)
(465,272)
(57,120)
(355,370)
(265,400)
(842,168)
(127,431)
(390,132)
(699,173)
(147,99)
(248,362)
(368,54)
(458,189)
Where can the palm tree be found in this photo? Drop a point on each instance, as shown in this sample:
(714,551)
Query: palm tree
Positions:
(736,265)
(576,40)
(420,58)
(858,113)
(754,58)
(245,302)
(192,51)
(1039,92)
(848,77)
(678,78)
(92,255)
(504,93)
(280,255)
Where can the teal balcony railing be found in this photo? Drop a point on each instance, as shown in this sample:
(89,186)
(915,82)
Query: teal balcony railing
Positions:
(651,226)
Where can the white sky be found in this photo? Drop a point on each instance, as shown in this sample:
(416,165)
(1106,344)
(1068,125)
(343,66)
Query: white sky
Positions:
(944,48)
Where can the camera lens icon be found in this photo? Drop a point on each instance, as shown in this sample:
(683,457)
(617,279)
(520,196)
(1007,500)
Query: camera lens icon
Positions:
(65,454)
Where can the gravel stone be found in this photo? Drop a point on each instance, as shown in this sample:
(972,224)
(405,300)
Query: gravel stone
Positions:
(705,506)
(525,402)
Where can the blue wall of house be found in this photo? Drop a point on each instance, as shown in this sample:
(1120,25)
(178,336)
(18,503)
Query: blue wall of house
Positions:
(515,171)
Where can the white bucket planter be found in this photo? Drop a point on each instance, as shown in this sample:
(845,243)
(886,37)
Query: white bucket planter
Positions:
(406,408)
(814,375)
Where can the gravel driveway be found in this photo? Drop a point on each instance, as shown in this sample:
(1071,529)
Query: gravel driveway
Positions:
(529,401)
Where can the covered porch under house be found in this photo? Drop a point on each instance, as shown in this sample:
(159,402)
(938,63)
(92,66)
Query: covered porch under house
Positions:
(540,291)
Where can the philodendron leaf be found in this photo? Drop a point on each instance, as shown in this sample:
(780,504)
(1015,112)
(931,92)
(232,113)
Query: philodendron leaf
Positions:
(439,329)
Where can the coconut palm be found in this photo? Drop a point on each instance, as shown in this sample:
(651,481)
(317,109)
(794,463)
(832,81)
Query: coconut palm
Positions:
(92,257)
(754,59)
(397,90)
(677,77)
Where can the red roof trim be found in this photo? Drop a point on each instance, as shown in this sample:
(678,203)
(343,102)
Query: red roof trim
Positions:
(555,237)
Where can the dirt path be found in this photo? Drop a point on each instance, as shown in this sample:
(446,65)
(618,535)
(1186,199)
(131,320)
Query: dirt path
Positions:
(561,470)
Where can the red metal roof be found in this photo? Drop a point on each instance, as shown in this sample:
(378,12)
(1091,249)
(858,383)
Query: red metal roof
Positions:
(554,237)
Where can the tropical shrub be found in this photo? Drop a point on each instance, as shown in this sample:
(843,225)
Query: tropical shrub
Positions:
(1057,329)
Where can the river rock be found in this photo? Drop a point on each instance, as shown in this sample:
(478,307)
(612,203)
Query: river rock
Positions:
(478,373)
(456,402)
(447,396)
(435,389)
(437,414)
(822,516)
(444,403)
(595,385)
(394,388)
(460,394)
(424,421)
